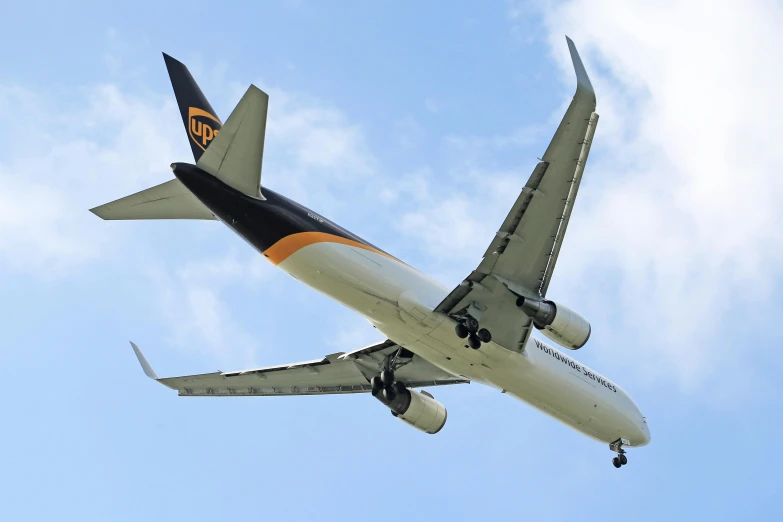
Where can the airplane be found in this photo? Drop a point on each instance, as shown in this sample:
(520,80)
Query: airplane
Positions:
(479,331)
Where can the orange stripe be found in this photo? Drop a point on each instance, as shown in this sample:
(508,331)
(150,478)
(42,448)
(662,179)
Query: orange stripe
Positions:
(281,250)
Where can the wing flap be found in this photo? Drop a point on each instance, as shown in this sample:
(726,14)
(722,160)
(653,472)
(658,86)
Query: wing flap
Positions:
(334,374)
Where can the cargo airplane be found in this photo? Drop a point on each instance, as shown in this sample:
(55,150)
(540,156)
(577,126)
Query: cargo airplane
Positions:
(479,331)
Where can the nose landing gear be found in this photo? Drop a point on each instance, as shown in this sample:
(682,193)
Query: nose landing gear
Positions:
(617,446)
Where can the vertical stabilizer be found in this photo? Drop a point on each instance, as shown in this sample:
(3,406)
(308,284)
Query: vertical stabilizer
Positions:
(201,121)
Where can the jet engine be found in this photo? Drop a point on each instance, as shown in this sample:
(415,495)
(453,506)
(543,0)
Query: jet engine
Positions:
(417,409)
(564,326)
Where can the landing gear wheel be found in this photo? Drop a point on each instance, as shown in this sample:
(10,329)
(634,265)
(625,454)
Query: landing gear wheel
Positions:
(484,335)
(377,385)
(399,388)
(461,330)
(474,342)
(617,447)
(471,323)
(389,394)
(387,377)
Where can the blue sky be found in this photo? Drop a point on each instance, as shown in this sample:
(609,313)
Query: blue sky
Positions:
(415,127)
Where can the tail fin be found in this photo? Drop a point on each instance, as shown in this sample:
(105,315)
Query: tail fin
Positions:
(171,200)
(236,154)
(201,121)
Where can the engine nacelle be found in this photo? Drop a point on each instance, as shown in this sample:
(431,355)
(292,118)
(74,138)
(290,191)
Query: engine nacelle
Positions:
(564,326)
(417,409)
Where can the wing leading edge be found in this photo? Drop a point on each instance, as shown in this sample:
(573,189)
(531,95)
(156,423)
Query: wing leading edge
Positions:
(337,373)
(521,257)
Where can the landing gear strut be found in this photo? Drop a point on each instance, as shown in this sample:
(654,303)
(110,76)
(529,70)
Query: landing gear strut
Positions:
(468,327)
(385,383)
(617,447)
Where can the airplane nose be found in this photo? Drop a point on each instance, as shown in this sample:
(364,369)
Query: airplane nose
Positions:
(644,433)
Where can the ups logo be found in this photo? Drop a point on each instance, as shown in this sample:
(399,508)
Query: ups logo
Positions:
(202,126)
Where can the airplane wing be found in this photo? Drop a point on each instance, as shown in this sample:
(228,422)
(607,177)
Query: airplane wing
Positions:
(522,255)
(334,374)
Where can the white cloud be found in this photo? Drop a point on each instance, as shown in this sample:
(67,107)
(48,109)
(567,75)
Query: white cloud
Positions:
(313,150)
(434,106)
(354,335)
(675,236)
(59,161)
(33,235)
(316,136)
(192,302)
(680,196)
(225,269)
(687,204)
(409,133)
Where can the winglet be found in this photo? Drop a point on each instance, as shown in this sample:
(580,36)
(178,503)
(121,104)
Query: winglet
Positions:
(583,84)
(148,371)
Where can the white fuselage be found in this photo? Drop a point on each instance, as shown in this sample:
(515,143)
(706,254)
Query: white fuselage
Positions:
(400,301)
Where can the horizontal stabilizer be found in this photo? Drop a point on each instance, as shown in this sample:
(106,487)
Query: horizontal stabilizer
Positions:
(236,153)
(170,200)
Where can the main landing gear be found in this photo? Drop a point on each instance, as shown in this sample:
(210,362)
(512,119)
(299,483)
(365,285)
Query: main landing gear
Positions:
(384,384)
(617,446)
(468,327)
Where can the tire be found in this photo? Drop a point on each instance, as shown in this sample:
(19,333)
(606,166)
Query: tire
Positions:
(387,377)
(471,324)
(474,342)
(389,394)
(461,330)
(623,460)
(399,388)
(616,462)
(377,385)
(484,336)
